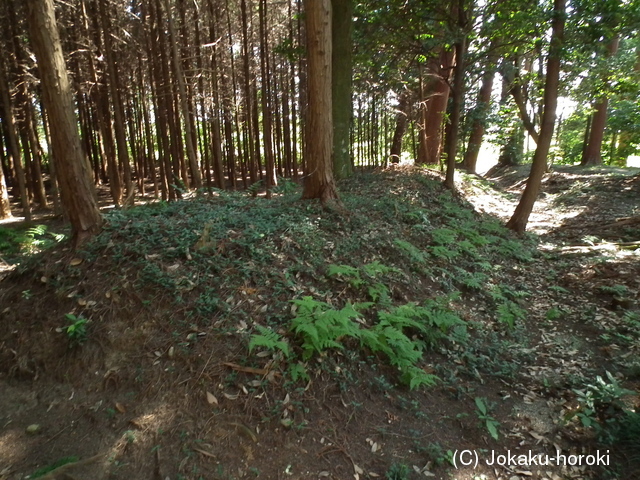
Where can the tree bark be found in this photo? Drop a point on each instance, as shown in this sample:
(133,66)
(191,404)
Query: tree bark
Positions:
(342,69)
(115,93)
(451,144)
(436,107)
(402,119)
(516,91)
(319,183)
(267,107)
(593,153)
(12,142)
(192,155)
(248,99)
(75,184)
(480,113)
(5,205)
(520,218)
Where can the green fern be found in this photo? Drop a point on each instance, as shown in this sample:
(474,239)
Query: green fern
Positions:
(469,249)
(444,236)
(444,253)
(298,371)
(378,292)
(374,269)
(269,340)
(413,252)
(346,273)
(509,312)
(320,326)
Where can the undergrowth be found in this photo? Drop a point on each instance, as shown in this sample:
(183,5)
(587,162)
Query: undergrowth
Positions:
(233,258)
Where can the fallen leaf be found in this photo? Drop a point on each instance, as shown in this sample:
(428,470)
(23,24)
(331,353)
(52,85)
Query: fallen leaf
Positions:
(286,422)
(211,398)
(75,262)
(240,368)
(204,452)
(120,407)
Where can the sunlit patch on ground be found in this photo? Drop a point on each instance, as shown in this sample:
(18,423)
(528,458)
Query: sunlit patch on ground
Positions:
(12,449)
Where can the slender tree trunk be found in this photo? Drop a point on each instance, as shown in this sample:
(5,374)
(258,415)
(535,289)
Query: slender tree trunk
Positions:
(216,141)
(516,92)
(302,88)
(55,191)
(593,153)
(184,104)
(100,96)
(270,179)
(342,72)
(12,142)
(436,107)
(248,98)
(231,111)
(5,205)
(77,194)
(479,116)
(402,119)
(319,182)
(115,90)
(451,144)
(518,221)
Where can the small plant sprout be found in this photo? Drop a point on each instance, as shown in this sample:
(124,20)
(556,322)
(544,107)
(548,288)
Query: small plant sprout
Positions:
(482,411)
(76,330)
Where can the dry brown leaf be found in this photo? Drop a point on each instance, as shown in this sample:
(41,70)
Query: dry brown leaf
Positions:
(204,452)
(240,368)
(211,399)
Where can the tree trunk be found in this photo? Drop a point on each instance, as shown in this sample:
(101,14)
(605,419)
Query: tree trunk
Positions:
(115,94)
(451,144)
(75,184)
(516,91)
(5,205)
(520,218)
(479,116)
(184,103)
(270,179)
(402,119)
(12,142)
(248,99)
(436,107)
(593,153)
(319,182)
(342,69)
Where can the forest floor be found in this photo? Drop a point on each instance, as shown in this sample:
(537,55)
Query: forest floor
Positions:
(231,337)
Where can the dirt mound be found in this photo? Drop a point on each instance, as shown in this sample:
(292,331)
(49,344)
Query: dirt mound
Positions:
(235,337)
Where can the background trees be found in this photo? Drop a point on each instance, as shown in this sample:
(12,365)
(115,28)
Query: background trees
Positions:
(173,96)
(77,193)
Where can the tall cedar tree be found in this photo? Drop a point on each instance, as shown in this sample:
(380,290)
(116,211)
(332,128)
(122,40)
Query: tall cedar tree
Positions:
(342,71)
(518,221)
(319,182)
(75,183)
